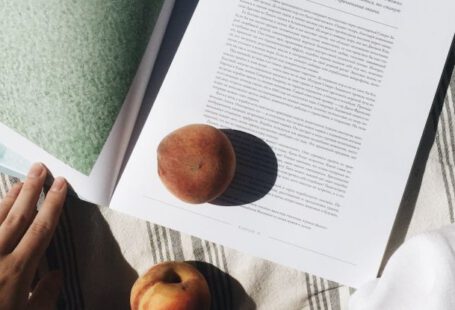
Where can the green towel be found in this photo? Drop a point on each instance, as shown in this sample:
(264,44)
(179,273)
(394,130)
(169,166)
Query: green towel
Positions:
(66,67)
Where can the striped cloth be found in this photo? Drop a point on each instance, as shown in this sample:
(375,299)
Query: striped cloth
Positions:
(102,252)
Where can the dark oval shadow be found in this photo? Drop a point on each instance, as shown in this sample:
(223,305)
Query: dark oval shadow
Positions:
(256,172)
(227,293)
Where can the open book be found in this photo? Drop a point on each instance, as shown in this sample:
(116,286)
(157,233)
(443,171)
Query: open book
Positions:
(325,102)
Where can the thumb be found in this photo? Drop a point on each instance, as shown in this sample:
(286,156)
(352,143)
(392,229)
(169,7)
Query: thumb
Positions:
(46,292)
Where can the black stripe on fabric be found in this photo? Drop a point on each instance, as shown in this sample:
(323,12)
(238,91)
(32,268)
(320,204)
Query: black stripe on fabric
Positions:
(198,252)
(13,180)
(152,244)
(316,292)
(309,291)
(450,125)
(53,264)
(73,261)
(199,256)
(323,294)
(446,143)
(334,295)
(166,243)
(450,121)
(452,144)
(213,278)
(444,177)
(444,161)
(177,245)
(435,116)
(158,242)
(60,264)
(226,279)
(65,265)
(221,278)
(451,88)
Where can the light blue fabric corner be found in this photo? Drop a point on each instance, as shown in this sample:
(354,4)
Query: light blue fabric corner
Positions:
(12,163)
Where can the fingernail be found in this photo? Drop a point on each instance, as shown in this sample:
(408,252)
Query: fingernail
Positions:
(36,171)
(58,184)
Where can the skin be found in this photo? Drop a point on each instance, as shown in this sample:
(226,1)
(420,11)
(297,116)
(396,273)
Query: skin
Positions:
(171,286)
(196,163)
(25,233)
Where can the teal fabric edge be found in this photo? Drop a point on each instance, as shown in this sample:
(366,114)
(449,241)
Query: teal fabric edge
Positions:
(12,164)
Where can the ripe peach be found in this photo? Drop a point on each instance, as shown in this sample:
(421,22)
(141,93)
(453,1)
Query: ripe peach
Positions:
(171,286)
(196,163)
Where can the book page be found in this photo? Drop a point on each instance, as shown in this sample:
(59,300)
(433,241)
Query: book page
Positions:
(73,78)
(325,103)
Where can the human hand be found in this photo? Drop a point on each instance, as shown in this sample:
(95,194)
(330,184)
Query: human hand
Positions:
(25,233)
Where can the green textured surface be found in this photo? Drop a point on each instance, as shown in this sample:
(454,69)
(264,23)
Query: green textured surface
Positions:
(66,67)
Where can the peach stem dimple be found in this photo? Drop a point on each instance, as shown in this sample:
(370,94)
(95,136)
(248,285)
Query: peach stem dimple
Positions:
(172,277)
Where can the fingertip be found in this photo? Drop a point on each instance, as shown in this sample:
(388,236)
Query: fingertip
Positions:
(60,185)
(37,170)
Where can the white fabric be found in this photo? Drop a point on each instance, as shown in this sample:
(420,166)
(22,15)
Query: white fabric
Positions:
(420,275)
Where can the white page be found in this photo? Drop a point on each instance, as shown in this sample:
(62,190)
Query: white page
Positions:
(97,187)
(288,72)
